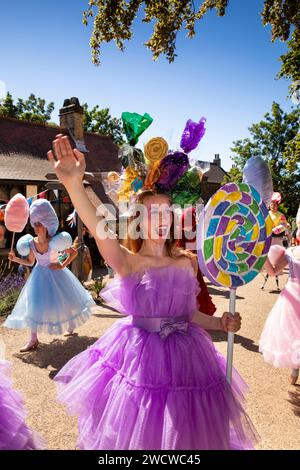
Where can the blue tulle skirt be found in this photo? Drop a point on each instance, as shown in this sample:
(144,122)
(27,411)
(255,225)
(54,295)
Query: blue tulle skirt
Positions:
(51,301)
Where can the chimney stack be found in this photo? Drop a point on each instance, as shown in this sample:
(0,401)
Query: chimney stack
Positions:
(71,117)
(217,160)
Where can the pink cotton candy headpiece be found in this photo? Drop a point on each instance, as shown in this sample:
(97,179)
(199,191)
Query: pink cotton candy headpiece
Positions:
(276,197)
(42,212)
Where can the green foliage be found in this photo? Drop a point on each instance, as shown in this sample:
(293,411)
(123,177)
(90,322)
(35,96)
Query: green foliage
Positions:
(290,66)
(98,285)
(8,302)
(100,121)
(113,21)
(32,109)
(281,15)
(276,140)
(291,153)
(35,109)
(95,288)
(233,175)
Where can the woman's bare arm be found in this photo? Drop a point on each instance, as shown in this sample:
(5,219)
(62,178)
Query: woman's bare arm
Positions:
(226,323)
(25,262)
(207,322)
(274,270)
(72,254)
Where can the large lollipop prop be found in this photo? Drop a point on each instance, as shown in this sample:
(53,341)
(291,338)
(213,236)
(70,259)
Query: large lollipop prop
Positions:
(16,216)
(233,240)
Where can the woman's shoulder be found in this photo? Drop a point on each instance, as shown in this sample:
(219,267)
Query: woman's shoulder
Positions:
(188,259)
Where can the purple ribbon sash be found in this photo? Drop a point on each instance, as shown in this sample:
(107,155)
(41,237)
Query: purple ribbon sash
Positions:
(162,325)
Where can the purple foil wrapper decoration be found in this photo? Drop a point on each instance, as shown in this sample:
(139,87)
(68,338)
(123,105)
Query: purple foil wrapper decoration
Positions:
(192,134)
(172,167)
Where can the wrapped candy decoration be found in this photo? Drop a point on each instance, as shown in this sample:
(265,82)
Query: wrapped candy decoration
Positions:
(137,184)
(113,177)
(188,189)
(133,157)
(192,134)
(171,169)
(155,150)
(156,168)
(127,180)
(134,125)
(202,167)
(152,175)
(111,183)
(257,174)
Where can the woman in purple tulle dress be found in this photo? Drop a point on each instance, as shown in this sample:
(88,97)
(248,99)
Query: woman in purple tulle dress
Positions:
(154,380)
(14,433)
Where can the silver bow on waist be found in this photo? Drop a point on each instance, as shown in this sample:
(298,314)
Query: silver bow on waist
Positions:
(168,326)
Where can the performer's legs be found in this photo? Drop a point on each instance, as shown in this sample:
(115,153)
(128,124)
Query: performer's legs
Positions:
(32,343)
(265,282)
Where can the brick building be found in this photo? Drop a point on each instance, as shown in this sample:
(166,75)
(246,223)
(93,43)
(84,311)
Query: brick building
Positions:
(24,164)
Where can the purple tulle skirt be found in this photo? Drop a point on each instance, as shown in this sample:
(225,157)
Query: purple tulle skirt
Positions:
(133,390)
(14,433)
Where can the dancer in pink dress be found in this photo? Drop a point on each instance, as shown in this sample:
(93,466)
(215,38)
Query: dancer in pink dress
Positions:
(154,380)
(280,339)
(278,232)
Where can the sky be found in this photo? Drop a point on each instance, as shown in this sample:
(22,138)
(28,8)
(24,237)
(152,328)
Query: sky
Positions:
(226,73)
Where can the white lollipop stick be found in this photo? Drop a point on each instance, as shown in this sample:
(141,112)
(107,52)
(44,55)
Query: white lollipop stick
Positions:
(11,247)
(230,338)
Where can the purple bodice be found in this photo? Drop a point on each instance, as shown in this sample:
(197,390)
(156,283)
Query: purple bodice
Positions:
(157,292)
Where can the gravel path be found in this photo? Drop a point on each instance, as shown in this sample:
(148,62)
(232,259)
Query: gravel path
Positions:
(273,404)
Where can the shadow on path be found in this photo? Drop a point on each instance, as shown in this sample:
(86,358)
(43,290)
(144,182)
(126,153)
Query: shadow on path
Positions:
(247,343)
(57,353)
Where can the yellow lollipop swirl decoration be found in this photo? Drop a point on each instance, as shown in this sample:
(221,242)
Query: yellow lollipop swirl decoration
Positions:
(155,150)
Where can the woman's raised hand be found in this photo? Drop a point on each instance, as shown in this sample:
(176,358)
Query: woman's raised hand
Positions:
(68,164)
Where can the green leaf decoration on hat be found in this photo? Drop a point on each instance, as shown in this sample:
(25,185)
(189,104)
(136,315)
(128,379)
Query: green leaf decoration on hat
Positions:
(134,125)
(187,189)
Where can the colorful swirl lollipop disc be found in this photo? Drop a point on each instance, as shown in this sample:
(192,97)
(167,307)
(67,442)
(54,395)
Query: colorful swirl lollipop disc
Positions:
(233,235)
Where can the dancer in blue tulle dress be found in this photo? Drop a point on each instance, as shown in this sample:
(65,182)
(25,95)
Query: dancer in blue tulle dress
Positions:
(52,300)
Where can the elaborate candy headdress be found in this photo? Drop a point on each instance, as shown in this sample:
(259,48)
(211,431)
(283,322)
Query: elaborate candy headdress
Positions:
(42,211)
(157,168)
